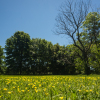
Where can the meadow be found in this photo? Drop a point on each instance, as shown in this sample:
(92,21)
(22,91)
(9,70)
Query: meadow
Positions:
(58,87)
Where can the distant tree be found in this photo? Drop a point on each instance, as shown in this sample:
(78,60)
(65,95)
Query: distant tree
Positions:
(33,55)
(49,57)
(40,55)
(1,60)
(17,53)
(54,65)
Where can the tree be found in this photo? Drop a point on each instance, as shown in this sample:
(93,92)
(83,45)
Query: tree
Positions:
(54,67)
(49,57)
(1,60)
(91,35)
(40,51)
(17,52)
(94,59)
(91,27)
(69,22)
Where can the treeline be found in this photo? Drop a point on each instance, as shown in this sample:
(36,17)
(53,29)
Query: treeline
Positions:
(35,56)
(23,55)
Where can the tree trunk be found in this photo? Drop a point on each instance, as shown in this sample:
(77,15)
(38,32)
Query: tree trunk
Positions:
(20,67)
(87,68)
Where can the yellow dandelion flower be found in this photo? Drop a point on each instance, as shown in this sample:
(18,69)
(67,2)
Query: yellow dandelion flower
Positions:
(86,90)
(18,89)
(13,87)
(28,84)
(36,91)
(35,87)
(90,90)
(0,96)
(79,90)
(7,79)
(22,90)
(46,94)
(45,89)
(28,90)
(5,89)
(69,86)
(14,82)
(61,98)
(53,86)
(9,92)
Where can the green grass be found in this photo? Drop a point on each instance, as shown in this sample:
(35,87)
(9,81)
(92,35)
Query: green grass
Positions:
(50,87)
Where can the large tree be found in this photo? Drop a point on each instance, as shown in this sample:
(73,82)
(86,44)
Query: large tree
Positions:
(17,52)
(91,35)
(40,51)
(69,22)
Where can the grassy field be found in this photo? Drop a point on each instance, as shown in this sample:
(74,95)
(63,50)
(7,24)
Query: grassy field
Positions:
(48,87)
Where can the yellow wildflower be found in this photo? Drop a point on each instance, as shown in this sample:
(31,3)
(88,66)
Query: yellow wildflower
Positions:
(26,88)
(18,89)
(22,90)
(9,92)
(79,90)
(45,89)
(69,86)
(36,91)
(14,82)
(46,94)
(61,98)
(29,84)
(86,90)
(5,89)
(90,90)
(53,86)
(33,86)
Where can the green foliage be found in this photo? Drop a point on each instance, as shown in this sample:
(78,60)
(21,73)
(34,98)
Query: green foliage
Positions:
(2,68)
(17,52)
(91,27)
(94,59)
(89,37)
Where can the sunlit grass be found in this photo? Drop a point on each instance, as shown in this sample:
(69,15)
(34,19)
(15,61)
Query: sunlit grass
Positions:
(48,87)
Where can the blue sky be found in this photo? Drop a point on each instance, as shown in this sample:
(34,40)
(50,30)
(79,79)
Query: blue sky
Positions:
(35,17)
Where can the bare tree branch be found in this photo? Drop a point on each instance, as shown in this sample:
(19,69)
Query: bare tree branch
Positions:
(70,18)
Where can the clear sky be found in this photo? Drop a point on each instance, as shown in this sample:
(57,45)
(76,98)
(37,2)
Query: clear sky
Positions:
(35,17)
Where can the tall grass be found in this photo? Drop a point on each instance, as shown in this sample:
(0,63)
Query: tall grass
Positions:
(50,87)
